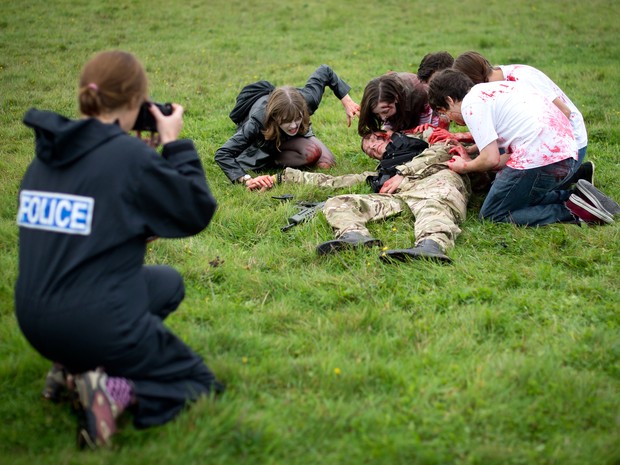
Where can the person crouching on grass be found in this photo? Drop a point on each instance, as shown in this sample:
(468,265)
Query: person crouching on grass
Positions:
(479,70)
(84,299)
(274,130)
(540,152)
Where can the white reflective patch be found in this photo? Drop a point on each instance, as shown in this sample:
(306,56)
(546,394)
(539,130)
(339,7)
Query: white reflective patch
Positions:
(52,211)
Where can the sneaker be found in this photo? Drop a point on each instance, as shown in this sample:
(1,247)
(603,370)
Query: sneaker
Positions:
(346,241)
(99,411)
(55,384)
(427,249)
(587,212)
(592,195)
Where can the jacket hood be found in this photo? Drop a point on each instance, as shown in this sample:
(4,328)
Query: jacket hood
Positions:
(61,141)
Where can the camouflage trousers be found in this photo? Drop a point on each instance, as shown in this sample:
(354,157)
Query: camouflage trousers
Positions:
(438,203)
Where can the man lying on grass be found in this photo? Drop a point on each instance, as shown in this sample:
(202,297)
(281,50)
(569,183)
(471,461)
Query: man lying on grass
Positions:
(436,196)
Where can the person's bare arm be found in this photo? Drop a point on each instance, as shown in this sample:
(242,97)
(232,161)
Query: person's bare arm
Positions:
(562,106)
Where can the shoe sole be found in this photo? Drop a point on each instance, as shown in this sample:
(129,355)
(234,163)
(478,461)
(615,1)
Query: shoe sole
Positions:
(336,246)
(597,198)
(99,423)
(587,212)
(405,255)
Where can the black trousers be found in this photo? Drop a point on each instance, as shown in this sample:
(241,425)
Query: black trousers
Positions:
(124,333)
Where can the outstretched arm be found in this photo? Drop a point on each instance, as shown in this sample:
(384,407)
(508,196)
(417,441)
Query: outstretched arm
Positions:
(323,77)
(226,155)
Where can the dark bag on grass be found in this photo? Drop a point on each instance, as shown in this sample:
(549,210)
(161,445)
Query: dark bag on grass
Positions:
(248,97)
(399,151)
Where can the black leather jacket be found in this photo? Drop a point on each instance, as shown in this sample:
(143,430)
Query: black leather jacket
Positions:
(248,149)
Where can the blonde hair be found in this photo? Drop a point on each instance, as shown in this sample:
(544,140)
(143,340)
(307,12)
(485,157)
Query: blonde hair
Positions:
(284,104)
(111,80)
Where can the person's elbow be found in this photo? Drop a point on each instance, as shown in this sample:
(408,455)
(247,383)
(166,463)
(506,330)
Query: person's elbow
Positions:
(203,212)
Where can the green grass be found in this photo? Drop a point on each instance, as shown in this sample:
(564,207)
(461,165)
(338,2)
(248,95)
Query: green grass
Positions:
(510,356)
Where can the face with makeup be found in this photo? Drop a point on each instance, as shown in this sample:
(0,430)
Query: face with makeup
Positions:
(384,110)
(291,128)
(453,112)
(374,145)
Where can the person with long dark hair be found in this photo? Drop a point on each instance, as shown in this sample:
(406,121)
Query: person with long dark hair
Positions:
(394,101)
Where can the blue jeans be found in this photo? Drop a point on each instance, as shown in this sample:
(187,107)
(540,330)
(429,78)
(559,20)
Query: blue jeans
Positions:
(581,155)
(530,197)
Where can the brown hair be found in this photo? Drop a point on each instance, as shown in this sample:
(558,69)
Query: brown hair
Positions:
(284,104)
(111,80)
(448,83)
(433,62)
(403,89)
(474,65)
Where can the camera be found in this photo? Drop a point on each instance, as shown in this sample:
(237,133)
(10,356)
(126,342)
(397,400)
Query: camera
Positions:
(146,121)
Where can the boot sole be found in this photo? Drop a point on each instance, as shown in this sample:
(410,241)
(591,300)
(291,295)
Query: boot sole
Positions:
(404,255)
(336,246)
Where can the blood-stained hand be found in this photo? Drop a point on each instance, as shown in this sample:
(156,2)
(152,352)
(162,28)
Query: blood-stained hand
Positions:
(459,151)
(261,183)
(419,129)
(441,135)
(463,137)
(457,164)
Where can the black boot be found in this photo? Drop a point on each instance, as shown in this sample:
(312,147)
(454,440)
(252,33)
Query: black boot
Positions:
(427,249)
(346,241)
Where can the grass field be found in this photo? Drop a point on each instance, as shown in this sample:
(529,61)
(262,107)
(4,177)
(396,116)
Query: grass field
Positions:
(509,356)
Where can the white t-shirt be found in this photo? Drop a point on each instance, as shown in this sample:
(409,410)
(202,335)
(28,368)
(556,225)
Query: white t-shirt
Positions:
(541,82)
(525,124)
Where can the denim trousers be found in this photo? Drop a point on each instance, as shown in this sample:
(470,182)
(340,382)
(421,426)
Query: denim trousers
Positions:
(581,155)
(530,197)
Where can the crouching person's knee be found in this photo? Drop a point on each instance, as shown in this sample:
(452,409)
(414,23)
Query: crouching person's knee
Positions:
(312,153)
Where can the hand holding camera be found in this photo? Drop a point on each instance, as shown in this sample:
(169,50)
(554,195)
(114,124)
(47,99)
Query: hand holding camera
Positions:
(165,119)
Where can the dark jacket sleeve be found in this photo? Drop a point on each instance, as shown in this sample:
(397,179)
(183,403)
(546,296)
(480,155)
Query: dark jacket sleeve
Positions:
(247,134)
(172,196)
(323,77)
